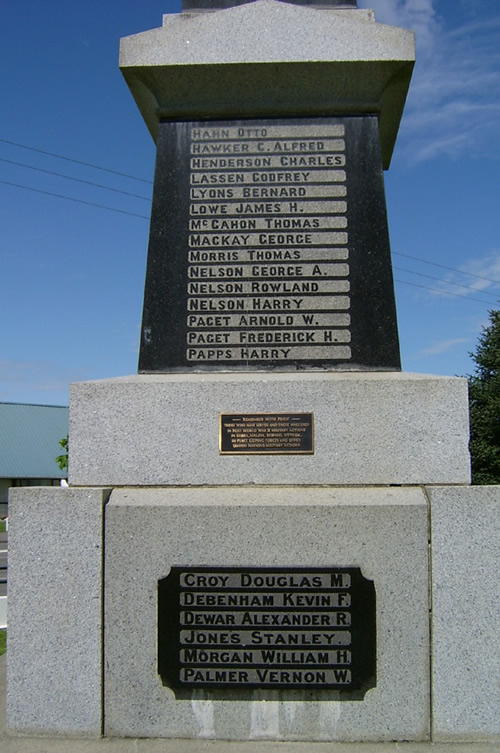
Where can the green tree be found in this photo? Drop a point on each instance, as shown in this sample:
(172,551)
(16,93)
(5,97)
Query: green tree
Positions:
(484,405)
(62,460)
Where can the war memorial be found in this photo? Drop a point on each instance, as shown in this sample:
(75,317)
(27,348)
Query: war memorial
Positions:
(269,532)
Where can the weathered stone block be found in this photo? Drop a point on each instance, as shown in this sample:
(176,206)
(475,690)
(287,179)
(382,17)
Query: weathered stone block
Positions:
(370,428)
(382,531)
(465,613)
(54,682)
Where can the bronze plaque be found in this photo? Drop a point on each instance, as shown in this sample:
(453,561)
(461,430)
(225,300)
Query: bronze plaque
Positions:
(266,433)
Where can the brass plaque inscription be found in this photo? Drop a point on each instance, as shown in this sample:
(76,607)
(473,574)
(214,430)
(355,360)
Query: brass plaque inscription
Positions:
(266,433)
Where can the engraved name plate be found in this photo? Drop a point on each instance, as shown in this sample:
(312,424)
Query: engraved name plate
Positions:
(268,628)
(269,248)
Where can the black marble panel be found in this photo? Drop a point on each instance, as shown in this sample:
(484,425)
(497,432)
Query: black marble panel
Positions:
(238,629)
(269,248)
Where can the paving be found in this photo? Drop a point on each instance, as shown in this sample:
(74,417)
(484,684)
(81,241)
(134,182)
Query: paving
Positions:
(11,744)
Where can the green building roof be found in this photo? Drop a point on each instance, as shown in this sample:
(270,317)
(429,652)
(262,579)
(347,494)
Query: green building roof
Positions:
(29,440)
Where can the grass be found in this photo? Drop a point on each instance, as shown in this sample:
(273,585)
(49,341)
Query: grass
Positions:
(2,525)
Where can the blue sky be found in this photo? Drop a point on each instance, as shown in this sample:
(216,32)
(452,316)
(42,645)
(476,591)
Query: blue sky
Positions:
(72,273)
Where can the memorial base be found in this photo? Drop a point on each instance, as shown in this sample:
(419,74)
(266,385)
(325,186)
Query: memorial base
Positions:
(388,473)
(382,531)
(370,428)
(56,677)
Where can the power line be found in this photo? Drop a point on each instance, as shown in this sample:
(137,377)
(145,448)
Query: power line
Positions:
(79,201)
(443,292)
(144,217)
(447,282)
(77,180)
(76,161)
(450,269)
(142,180)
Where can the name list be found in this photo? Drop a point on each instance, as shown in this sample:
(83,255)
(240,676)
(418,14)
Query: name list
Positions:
(268,259)
(267,628)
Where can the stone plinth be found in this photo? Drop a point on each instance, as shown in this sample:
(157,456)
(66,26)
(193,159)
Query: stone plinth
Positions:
(56,573)
(465,526)
(55,611)
(382,531)
(270,58)
(370,428)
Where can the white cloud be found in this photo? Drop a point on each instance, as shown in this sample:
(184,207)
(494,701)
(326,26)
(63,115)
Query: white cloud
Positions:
(481,275)
(418,15)
(453,106)
(442,346)
(487,270)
